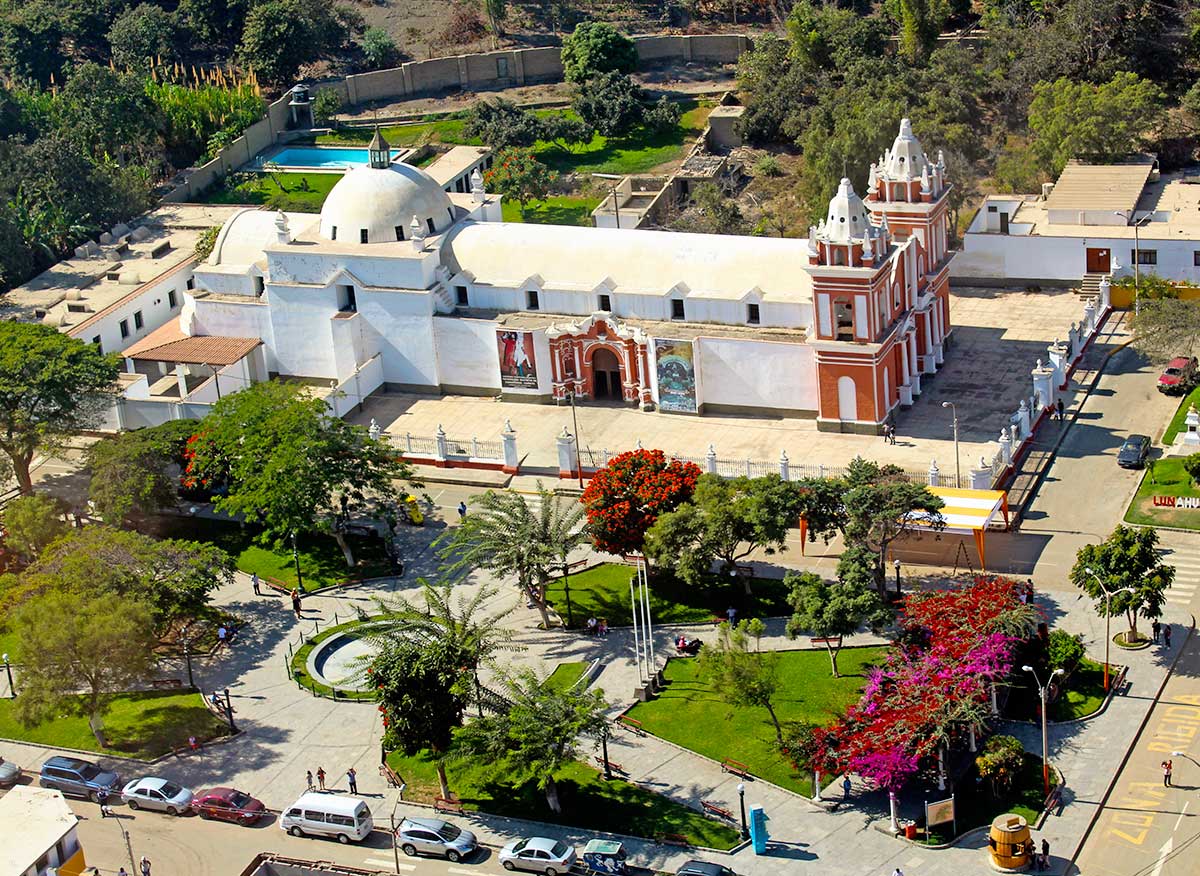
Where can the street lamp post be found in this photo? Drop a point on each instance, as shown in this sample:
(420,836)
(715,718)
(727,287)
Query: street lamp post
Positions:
(187,656)
(575,423)
(741,789)
(612,179)
(1107,619)
(1137,246)
(229,712)
(896,563)
(957,460)
(604,752)
(1043,689)
(8,670)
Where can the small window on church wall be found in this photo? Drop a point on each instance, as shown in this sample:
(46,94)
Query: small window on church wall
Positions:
(333,232)
(259,286)
(752,314)
(605,303)
(399,232)
(429,222)
(677,308)
(363,235)
(460,296)
(531,300)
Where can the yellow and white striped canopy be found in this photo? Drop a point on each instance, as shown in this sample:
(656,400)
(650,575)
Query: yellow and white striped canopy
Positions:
(970,510)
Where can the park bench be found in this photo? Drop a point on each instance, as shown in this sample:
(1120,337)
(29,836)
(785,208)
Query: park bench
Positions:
(632,724)
(611,764)
(821,641)
(672,839)
(389,774)
(443,804)
(736,767)
(1052,798)
(166,683)
(715,809)
(1120,684)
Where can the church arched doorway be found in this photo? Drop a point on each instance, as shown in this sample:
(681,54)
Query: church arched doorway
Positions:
(606,375)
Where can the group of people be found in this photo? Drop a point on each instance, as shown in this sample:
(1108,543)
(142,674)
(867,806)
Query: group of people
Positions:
(597,627)
(1040,860)
(1159,629)
(684,645)
(143,867)
(889,433)
(1025,592)
(351,780)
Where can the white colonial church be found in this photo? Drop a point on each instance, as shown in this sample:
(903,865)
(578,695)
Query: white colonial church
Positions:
(399,285)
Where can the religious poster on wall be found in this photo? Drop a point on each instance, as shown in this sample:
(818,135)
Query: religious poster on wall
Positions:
(517,369)
(676,376)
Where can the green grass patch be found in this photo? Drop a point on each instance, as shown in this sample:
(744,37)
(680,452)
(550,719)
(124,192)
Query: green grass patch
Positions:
(1084,693)
(639,152)
(1177,422)
(321,560)
(300,192)
(566,675)
(145,725)
(603,592)
(690,713)
(1169,479)
(558,210)
(300,665)
(588,801)
(976,806)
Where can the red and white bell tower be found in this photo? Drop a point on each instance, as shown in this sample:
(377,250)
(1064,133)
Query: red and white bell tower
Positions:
(879,293)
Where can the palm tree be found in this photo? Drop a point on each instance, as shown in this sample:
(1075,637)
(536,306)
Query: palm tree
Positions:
(561,527)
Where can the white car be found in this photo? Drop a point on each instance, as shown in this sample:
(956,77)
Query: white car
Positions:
(539,855)
(160,794)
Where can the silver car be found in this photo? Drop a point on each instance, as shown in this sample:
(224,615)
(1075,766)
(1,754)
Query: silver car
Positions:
(433,836)
(160,794)
(539,855)
(10,773)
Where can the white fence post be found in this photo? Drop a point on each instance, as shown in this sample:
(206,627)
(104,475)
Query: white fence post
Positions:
(442,451)
(710,460)
(568,455)
(784,466)
(935,474)
(512,462)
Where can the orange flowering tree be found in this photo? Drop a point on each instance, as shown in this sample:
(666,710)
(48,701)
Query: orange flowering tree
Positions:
(520,177)
(628,495)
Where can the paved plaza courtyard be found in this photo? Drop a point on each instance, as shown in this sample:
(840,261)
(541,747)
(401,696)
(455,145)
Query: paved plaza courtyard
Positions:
(998,337)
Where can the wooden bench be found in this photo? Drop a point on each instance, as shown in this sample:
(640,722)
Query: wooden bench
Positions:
(1052,799)
(611,764)
(736,767)
(442,804)
(166,684)
(389,774)
(716,809)
(672,839)
(819,641)
(632,724)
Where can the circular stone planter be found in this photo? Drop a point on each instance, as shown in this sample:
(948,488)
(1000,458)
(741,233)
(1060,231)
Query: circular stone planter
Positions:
(336,661)
(1119,641)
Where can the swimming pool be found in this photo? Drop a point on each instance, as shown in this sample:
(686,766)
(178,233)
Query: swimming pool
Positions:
(317,156)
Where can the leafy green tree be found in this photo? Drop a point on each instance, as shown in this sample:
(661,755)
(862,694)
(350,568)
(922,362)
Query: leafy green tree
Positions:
(215,21)
(110,114)
(326,105)
(920,23)
(437,616)
(565,131)
(520,177)
(1063,651)
(501,124)
(829,609)
(16,260)
(130,478)
(379,49)
(710,211)
(662,116)
(282,35)
(51,388)
(560,525)
(824,37)
(422,686)
(539,735)
(31,43)
(1128,558)
(497,11)
(1191,464)
(610,103)
(142,36)
(1000,763)
(1164,326)
(595,47)
(1098,122)
(725,520)
(742,674)
(31,523)
(173,578)
(288,462)
(78,649)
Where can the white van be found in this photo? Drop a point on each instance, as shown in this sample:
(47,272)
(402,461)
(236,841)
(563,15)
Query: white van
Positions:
(347,818)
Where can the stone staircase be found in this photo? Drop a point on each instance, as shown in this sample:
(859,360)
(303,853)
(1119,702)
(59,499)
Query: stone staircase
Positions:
(1089,286)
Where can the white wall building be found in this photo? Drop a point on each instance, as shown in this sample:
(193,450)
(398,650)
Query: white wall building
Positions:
(39,835)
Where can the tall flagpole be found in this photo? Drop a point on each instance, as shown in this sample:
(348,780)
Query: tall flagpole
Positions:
(648,633)
(637,647)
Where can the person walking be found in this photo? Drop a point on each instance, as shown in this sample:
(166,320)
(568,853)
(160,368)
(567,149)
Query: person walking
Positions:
(1166,631)
(297,602)
(102,799)
(731,613)
(321,777)
(122,872)
(1061,409)
(846,786)
(145,866)
(462,511)
(308,780)
(1155,629)
(352,780)
(1045,854)
(1166,768)
(254,582)
(892,434)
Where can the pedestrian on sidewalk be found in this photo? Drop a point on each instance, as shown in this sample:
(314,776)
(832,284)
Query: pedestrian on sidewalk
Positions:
(846,786)
(193,744)
(321,777)
(297,602)
(145,866)
(1155,629)
(462,511)
(886,431)
(897,872)
(102,799)
(122,872)
(352,779)
(1045,854)
(1166,768)
(254,582)
(731,613)
(1061,408)
(892,434)
(308,780)
(1166,631)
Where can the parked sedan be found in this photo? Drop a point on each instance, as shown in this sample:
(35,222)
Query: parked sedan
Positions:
(1134,451)
(10,773)
(703,868)
(539,855)
(228,804)
(433,836)
(160,794)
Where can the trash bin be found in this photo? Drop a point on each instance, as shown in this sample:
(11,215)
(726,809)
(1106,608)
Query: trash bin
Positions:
(910,831)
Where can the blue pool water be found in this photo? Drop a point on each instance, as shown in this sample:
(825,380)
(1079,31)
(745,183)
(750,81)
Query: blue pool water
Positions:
(318,156)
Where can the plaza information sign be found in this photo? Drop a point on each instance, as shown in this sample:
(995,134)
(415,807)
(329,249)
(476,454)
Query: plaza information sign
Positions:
(939,812)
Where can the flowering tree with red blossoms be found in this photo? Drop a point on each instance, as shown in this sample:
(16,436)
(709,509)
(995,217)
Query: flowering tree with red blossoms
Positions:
(935,683)
(624,498)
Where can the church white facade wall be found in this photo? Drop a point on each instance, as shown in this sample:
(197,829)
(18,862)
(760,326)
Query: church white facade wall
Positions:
(1020,258)
(755,376)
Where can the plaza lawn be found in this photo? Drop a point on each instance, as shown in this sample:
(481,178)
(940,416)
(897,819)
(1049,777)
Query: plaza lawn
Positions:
(603,592)
(1084,694)
(565,675)
(143,725)
(640,151)
(301,193)
(1169,480)
(587,800)
(689,713)
(1176,425)
(558,210)
(321,560)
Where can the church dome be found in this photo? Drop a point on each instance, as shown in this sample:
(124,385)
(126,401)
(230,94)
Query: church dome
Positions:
(906,158)
(846,219)
(380,200)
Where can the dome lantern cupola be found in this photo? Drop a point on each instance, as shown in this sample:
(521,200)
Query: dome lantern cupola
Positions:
(379,152)
(906,158)
(846,220)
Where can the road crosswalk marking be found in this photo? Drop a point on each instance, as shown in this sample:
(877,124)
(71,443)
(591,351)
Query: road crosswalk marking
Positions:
(1186,560)
(389,863)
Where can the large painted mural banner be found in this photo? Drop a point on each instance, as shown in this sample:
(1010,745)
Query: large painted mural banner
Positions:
(676,369)
(517,368)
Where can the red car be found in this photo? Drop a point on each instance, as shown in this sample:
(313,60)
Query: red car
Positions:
(1178,376)
(228,804)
